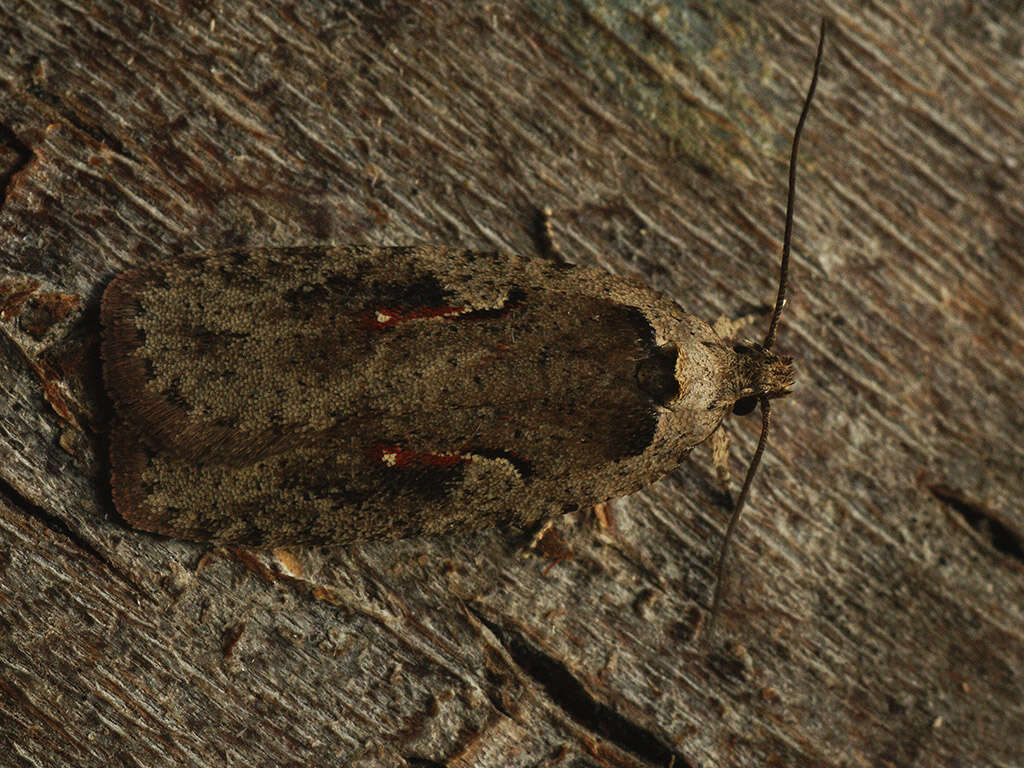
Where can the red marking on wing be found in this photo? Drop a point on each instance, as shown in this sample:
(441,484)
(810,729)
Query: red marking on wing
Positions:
(393,456)
(383,317)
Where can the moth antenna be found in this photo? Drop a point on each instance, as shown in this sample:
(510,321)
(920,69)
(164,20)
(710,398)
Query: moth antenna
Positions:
(769,339)
(740,502)
(780,301)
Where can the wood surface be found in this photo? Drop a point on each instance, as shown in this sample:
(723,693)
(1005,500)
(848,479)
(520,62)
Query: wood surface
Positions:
(874,608)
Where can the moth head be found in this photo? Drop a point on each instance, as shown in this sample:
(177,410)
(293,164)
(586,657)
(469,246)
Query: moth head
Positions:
(759,372)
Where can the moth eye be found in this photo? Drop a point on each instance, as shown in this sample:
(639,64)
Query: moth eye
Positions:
(744,405)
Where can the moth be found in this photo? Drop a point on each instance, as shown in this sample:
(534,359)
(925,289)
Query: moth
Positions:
(327,394)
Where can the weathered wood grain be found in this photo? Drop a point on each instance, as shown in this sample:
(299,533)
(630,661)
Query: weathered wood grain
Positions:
(874,614)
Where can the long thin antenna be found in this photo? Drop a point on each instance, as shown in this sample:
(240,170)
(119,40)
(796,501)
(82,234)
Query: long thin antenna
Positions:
(769,339)
(762,442)
(780,301)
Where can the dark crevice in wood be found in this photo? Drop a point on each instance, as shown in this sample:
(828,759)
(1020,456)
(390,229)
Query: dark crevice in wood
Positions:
(230,637)
(59,527)
(994,531)
(23,155)
(417,762)
(96,132)
(576,701)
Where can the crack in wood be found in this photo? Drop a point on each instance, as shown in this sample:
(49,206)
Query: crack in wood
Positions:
(572,696)
(100,135)
(22,157)
(983,520)
(55,525)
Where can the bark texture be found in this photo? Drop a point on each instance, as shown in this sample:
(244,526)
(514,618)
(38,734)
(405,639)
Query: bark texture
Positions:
(874,612)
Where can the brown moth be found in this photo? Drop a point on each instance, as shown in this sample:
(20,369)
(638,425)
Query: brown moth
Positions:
(329,394)
(271,396)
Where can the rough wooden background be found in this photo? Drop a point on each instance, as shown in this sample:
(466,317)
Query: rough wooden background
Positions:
(875,606)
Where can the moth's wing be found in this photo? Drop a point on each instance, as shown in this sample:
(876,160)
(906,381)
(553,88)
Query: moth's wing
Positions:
(335,491)
(225,354)
(329,392)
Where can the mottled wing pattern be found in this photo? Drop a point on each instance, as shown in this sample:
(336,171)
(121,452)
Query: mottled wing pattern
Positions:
(332,394)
